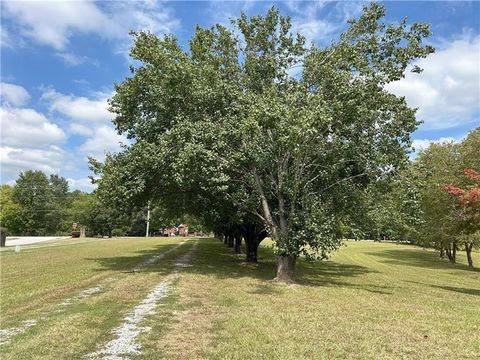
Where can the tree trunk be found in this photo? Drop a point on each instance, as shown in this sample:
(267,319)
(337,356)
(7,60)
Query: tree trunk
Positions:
(286,268)
(251,243)
(468,250)
(251,246)
(253,233)
(238,243)
(230,241)
(448,252)
(225,239)
(442,252)
(268,218)
(451,252)
(3,238)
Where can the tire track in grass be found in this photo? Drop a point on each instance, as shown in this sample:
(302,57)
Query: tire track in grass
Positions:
(125,341)
(7,334)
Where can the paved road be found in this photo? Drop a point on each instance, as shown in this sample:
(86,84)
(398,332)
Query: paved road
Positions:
(27,240)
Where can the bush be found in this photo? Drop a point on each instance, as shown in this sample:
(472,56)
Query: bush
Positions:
(119,232)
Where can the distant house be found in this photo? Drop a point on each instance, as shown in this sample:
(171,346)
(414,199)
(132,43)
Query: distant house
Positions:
(183,230)
(169,231)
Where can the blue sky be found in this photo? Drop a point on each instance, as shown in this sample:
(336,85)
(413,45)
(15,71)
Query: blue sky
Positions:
(60,59)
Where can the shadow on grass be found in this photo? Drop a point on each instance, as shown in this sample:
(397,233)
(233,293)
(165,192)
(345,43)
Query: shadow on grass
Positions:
(468,291)
(331,273)
(214,259)
(417,257)
(126,264)
(475,292)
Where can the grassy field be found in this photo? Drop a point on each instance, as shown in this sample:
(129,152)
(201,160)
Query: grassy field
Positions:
(370,301)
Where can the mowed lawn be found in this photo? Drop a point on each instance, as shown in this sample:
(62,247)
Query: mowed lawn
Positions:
(369,301)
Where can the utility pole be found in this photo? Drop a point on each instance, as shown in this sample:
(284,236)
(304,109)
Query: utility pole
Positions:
(148,219)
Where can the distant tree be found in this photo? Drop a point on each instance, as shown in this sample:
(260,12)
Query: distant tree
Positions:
(59,188)
(58,205)
(470,150)
(42,202)
(79,206)
(33,193)
(102,219)
(394,207)
(160,217)
(438,165)
(195,225)
(10,212)
(467,212)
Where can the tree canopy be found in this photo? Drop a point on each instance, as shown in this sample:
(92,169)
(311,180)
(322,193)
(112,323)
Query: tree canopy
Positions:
(225,131)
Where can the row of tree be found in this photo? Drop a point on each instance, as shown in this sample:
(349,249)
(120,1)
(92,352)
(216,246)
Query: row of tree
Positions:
(251,133)
(257,133)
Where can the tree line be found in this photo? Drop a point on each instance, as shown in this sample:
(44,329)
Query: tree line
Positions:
(434,201)
(41,205)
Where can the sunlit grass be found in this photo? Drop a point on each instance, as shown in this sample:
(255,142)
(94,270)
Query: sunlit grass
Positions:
(369,301)
(36,281)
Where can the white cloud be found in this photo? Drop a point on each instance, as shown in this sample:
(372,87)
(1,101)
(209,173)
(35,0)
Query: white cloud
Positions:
(314,29)
(14,95)
(104,140)
(6,40)
(81,184)
(80,129)
(79,108)
(447,92)
(422,144)
(318,25)
(72,59)
(14,160)
(87,117)
(306,20)
(150,15)
(31,141)
(28,128)
(54,23)
(347,10)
